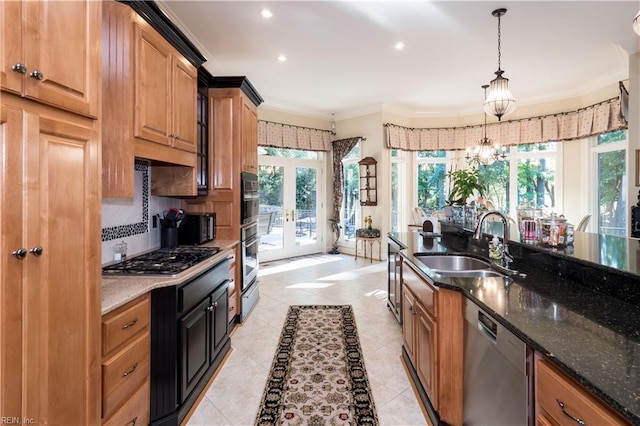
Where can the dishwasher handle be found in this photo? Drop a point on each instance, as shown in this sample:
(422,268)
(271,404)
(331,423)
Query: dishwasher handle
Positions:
(488,327)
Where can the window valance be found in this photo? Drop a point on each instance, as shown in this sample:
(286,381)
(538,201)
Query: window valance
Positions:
(279,135)
(593,120)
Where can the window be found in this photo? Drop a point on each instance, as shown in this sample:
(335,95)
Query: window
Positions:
(350,209)
(431,176)
(536,168)
(497,178)
(398,189)
(287,153)
(529,173)
(609,154)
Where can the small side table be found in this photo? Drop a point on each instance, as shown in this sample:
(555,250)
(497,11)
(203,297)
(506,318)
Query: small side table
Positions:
(369,236)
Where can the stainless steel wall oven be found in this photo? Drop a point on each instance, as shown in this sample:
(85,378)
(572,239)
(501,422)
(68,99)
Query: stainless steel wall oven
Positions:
(250,244)
(250,198)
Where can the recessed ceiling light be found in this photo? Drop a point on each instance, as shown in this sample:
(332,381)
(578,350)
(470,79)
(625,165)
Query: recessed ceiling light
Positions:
(399,45)
(282,58)
(266,13)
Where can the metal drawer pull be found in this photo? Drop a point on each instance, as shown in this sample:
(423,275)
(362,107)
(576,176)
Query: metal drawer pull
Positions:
(20,253)
(561,404)
(126,373)
(19,68)
(131,324)
(36,74)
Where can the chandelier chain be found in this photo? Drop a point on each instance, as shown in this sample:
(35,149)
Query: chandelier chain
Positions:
(499,51)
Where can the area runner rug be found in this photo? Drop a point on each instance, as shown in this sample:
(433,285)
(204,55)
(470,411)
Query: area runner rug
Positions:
(318,377)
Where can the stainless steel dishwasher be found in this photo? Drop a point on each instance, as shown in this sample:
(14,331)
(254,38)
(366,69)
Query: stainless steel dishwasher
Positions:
(497,373)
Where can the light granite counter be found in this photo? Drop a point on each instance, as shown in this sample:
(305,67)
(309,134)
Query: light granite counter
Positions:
(121,289)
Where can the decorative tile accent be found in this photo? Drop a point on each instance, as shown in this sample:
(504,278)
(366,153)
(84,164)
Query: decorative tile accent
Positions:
(128,230)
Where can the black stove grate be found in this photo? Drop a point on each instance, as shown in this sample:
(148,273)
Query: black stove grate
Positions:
(162,262)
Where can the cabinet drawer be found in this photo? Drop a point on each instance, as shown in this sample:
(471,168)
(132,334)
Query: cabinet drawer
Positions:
(233,306)
(124,372)
(135,411)
(422,290)
(554,387)
(124,323)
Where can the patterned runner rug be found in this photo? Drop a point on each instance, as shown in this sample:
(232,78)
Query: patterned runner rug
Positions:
(318,377)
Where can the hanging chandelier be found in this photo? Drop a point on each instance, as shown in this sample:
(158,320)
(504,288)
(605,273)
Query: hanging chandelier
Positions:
(500,101)
(636,23)
(485,152)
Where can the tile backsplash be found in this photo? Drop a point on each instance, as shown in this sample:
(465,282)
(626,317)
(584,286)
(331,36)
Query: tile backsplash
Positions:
(130,219)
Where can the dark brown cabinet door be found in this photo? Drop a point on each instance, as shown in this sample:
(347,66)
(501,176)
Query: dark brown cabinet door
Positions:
(194,341)
(220,325)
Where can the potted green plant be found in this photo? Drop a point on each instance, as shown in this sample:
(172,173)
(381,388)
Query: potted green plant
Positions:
(463,183)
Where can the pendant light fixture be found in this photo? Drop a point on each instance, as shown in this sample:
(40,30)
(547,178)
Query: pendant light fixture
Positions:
(636,23)
(499,101)
(486,152)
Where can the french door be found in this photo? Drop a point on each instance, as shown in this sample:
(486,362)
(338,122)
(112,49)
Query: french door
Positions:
(291,221)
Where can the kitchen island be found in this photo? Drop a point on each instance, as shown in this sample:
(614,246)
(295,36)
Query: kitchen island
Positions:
(577,307)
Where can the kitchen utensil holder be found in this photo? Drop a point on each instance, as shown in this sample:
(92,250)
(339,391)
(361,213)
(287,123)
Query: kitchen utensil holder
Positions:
(168,237)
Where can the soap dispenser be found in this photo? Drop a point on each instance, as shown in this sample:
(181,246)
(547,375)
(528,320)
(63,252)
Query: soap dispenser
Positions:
(495,249)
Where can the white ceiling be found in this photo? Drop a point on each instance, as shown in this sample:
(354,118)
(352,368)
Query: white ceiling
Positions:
(341,56)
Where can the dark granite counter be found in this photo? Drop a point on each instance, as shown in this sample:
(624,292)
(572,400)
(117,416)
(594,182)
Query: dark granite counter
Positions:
(589,330)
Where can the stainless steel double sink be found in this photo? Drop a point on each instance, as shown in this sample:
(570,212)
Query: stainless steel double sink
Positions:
(458,266)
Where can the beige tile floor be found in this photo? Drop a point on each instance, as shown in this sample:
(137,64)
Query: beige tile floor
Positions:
(236,392)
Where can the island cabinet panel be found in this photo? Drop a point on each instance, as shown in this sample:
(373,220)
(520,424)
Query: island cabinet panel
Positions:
(432,330)
(50,270)
(50,53)
(560,400)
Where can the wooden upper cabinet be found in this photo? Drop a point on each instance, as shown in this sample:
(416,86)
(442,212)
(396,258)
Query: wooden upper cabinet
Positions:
(184,101)
(152,85)
(165,93)
(51,51)
(249,137)
(149,107)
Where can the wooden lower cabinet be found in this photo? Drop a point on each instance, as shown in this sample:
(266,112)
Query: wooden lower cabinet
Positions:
(560,400)
(432,331)
(126,364)
(420,342)
(50,264)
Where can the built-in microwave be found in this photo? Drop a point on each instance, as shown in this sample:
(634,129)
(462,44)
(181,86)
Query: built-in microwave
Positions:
(198,228)
(250,197)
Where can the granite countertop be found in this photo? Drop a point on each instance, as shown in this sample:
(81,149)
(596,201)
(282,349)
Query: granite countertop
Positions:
(119,290)
(592,336)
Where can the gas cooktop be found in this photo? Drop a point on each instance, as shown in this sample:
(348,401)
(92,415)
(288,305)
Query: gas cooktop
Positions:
(162,262)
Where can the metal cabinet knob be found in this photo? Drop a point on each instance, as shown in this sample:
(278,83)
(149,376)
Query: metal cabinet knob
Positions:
(36,74)
(36,251)
(19,68)
(177,137)
(21,253)
(171,135)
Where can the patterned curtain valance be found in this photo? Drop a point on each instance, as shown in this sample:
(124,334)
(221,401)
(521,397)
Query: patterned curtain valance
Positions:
(593,120)
(294,137)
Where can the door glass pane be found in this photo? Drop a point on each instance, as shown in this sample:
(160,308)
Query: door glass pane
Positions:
(612,190)
(350,201)
(270,224)
(306,205)
(394,196)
